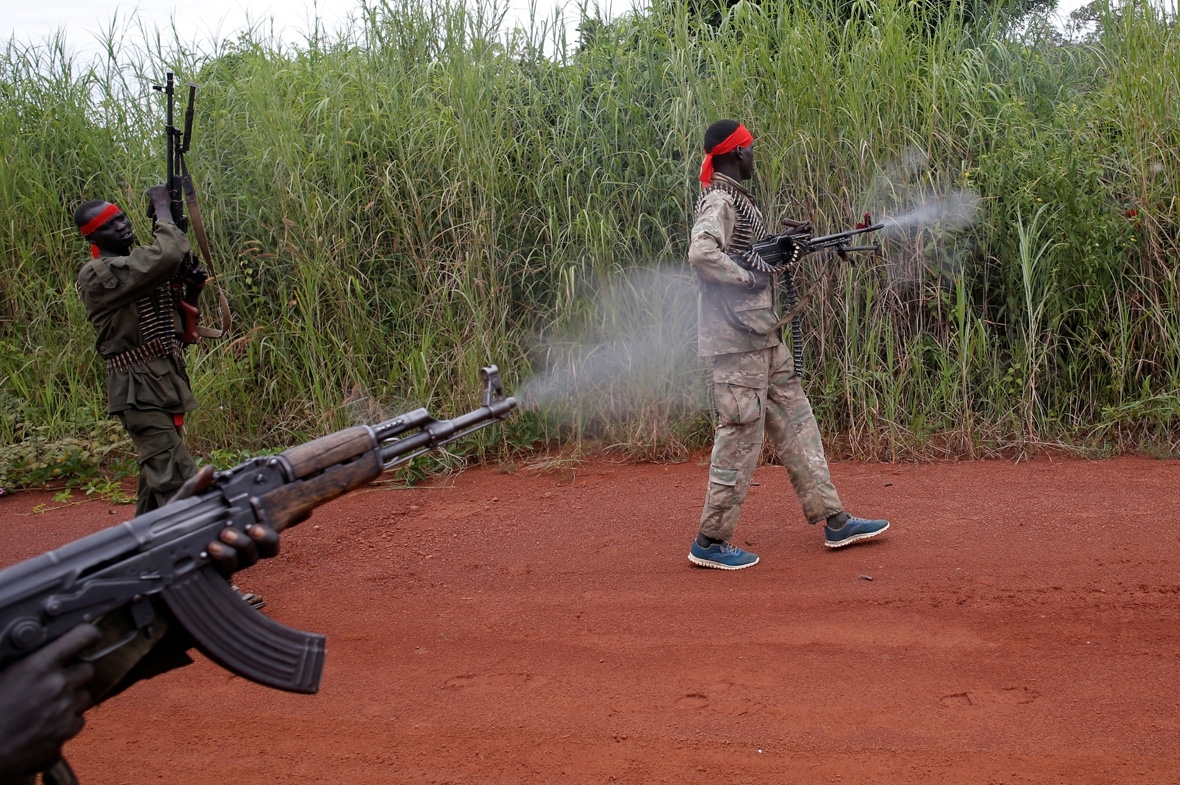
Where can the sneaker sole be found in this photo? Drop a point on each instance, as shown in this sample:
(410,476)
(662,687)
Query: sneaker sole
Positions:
(856,538)
(706,563)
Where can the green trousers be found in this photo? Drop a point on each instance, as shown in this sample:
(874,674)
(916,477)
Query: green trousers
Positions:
(164,462)
(758,395)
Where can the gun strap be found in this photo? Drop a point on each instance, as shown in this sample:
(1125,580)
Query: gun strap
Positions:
(198,223)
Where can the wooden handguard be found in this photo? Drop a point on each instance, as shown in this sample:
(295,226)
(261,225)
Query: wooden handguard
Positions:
(288,505)
(307,459)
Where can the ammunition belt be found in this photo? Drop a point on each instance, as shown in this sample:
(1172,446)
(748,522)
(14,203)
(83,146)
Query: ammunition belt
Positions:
(155,312)
(749,225)
(159,347)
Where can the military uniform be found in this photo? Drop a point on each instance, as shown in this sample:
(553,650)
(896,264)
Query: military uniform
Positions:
(756,389)
(130,304)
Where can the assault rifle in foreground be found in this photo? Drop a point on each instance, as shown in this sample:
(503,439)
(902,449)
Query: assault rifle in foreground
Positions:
(779,254)
(161,557)
(183,194)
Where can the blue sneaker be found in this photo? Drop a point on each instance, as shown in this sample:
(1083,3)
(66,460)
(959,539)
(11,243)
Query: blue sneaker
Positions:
(721,556)
(853,530)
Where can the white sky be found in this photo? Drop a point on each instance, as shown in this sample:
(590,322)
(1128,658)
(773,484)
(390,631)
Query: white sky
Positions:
(84,20)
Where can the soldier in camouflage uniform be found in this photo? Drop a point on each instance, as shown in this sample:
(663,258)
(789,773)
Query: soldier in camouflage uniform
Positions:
(130,302)
(756,389)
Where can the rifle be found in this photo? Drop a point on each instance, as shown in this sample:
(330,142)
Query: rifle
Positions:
(183,194)
(778,255)
(162,556)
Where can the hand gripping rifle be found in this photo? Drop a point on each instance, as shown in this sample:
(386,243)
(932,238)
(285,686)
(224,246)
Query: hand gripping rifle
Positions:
(777,255)
(161,556)
(183,194)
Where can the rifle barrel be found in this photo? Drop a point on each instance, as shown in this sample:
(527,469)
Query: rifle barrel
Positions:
(169,130)
(838,236)
(188,120)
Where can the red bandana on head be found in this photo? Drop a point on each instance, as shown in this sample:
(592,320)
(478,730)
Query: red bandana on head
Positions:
(739,138)
(96,223)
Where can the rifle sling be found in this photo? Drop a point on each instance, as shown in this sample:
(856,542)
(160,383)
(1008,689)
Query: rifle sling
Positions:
(193,204)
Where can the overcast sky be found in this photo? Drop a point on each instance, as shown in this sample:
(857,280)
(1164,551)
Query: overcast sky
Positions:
(84,20)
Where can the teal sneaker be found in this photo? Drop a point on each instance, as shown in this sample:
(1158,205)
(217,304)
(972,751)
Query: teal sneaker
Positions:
(721,556)
(853,530)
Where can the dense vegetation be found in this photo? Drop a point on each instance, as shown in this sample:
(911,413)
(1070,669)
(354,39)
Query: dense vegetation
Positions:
(393,207)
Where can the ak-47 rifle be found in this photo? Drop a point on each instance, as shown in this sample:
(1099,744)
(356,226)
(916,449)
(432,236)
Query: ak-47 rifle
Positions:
(183,195)
(160,561)
(778,255)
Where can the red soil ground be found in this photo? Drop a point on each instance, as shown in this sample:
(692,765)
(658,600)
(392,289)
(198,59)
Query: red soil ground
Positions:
(1020,626)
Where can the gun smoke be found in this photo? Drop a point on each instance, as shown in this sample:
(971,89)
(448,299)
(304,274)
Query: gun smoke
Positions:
(942,213)
(925,218)
(628,363)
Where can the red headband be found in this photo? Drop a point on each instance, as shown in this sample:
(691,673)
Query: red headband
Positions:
(95,223)
(108,212)
(739,138)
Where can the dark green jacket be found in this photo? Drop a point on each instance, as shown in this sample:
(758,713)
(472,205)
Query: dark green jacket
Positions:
(110,286)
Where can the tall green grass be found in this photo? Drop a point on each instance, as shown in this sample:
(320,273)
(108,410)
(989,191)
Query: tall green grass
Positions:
(422,194)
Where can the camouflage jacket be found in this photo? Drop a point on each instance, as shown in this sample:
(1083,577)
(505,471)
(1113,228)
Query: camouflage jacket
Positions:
(113,288)
(730,317)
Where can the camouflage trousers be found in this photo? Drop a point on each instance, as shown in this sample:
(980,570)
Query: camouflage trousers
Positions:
(757,395)
(164,462)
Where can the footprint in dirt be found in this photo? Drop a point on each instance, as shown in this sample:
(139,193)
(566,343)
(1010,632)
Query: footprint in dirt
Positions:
(1005,696)
(491,681)
(693,700)
(957,700)
(1017,695)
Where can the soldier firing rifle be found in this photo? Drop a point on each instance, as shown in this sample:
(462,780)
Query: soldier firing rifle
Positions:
(757,385)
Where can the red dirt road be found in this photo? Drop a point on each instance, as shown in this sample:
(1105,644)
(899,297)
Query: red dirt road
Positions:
(1021,626)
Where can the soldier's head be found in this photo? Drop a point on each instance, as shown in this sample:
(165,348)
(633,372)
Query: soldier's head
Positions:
(105,227)
(729,149)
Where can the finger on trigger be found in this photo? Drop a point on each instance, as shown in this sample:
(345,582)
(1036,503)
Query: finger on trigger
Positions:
(81,700)
(79,674)
(247,551)
(230,536)
(71,644)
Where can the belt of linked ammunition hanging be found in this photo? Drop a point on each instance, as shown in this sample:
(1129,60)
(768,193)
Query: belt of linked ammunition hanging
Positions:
(796,321)
(160,347)
(155,329)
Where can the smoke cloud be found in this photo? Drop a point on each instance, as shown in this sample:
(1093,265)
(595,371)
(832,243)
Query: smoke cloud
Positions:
(956,210)
(626,368)
(925,218)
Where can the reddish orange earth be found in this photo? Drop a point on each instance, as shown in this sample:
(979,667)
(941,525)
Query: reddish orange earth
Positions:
(1018,623)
